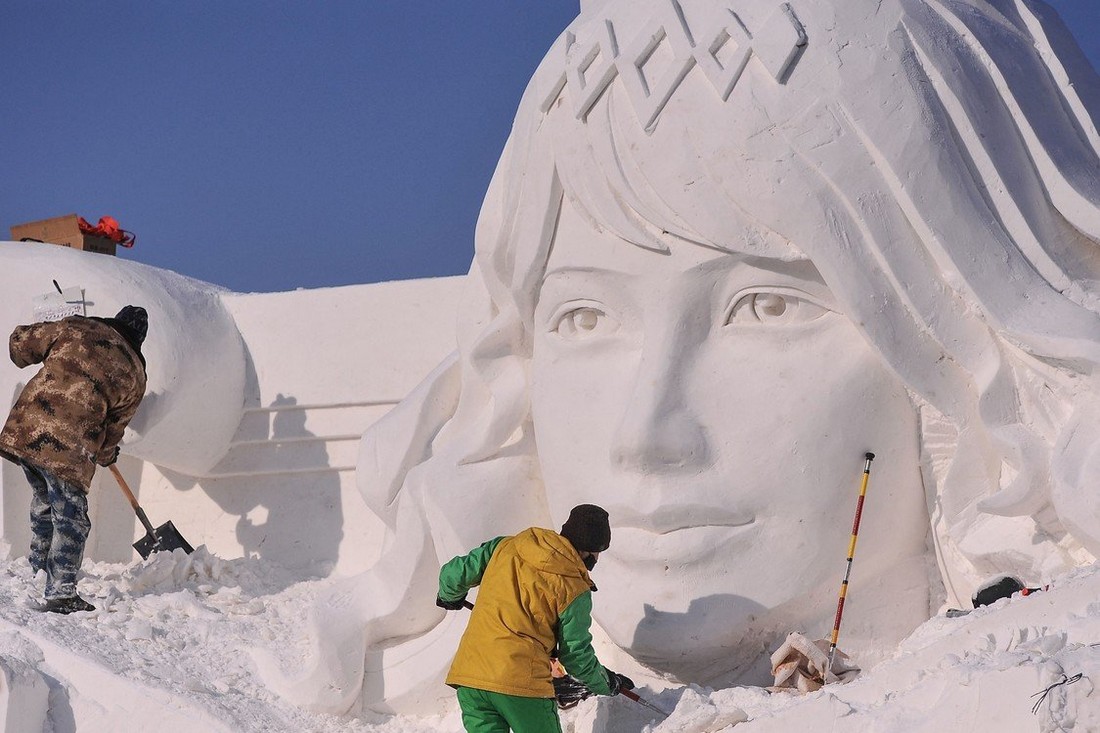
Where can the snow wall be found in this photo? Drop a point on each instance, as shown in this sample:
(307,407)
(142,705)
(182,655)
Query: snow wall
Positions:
(247,438)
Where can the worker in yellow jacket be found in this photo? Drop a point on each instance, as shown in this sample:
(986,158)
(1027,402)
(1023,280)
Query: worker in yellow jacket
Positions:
(535,596)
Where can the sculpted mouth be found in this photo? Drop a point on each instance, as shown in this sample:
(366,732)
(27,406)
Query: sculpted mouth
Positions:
(670,519)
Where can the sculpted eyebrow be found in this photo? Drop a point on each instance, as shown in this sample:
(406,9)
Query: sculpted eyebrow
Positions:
(584,273)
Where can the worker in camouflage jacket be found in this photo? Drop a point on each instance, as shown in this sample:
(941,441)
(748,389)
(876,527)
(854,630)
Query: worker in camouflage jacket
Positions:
(534,604)
(68,419)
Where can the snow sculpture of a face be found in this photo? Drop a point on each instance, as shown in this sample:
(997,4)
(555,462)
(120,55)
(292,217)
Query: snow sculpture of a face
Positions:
(731,246)
(718,406)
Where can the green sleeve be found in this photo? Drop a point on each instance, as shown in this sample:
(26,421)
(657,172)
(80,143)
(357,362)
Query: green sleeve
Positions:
(575,645)
(462,573)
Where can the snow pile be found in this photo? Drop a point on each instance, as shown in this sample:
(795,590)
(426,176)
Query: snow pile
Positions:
(169,644)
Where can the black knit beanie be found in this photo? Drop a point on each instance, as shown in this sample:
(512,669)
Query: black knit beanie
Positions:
(135,317)
(587,528)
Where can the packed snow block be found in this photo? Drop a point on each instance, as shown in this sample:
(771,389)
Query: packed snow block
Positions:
(24,697)
(63,231)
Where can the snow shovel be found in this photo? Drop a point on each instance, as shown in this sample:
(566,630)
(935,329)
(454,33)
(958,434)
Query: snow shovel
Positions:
(164,538)
(631,695)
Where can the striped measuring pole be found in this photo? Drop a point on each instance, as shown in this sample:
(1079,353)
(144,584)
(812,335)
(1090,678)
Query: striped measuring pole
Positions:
(848,568)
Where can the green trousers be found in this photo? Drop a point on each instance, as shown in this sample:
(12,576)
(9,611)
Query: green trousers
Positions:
(494,712)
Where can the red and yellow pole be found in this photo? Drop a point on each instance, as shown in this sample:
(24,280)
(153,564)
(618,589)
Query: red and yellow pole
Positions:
(848,568)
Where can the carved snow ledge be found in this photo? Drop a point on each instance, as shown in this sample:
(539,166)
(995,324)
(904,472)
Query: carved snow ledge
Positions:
(654,64)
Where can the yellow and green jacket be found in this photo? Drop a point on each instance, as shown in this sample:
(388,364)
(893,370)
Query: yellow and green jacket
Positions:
(535,594)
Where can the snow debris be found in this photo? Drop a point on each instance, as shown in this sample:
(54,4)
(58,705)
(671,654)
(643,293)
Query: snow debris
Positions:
(166,646)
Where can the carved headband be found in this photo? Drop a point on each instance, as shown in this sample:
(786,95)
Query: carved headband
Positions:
(722,55)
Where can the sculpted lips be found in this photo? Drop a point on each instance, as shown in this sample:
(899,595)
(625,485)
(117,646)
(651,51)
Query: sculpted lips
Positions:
(669,519)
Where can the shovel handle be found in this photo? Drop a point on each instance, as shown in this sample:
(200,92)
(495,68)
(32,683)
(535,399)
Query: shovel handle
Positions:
(133,500)
(123,485)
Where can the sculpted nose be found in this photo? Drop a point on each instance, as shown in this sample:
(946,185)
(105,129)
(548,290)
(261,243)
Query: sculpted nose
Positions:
(658,432)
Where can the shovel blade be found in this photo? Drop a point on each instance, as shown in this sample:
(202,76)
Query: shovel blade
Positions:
(164,538)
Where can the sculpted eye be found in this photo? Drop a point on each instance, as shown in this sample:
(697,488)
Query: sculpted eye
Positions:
(773,308)
(584,322)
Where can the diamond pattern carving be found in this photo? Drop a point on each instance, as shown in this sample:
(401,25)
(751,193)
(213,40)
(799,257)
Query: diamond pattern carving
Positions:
(654,64)
(668,32)
(588,71)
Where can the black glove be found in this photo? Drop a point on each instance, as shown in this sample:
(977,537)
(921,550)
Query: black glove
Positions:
(569,691)
(451,605)
(619,682)
(113,457)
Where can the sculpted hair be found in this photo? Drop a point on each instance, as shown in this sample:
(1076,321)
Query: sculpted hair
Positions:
(940,172)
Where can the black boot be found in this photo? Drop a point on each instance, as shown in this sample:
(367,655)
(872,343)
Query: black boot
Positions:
(71,604)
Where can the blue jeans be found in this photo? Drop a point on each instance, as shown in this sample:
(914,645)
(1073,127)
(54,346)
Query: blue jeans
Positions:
(59,529)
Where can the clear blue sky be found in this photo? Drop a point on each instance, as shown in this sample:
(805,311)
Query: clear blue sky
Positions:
(266,146)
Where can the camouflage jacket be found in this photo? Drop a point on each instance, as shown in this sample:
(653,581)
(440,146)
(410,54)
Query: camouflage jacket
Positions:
(71,415)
